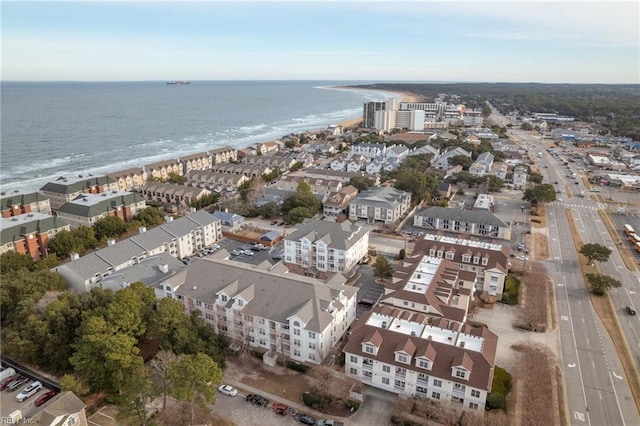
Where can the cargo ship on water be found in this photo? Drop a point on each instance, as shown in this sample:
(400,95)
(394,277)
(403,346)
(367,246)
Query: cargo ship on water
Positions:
(179,82)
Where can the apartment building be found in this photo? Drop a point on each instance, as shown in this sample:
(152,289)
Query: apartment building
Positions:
(338,202)
(520,176)
(200,161)
(30,233)
(441,162)
(225,154)
(265,308)
(482,165)
(168,193)
(321,187)
(64,190)
(162,169)
(401,352)
(248,170)
(489,261)
(477,223)
(18,204)
(380,204)
(326,246)
(87,209)
(180,238)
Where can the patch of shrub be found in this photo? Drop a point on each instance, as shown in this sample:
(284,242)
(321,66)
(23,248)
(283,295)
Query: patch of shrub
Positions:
(502,381)
(496,401)
(341,360)
(510,294)
(352,405)
(317,400)
(301,368)
(536,221)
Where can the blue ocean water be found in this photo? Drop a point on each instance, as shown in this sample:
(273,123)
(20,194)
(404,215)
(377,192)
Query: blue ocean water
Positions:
(70,128)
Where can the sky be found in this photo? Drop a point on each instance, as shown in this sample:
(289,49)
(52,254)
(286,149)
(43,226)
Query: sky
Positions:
(499,41)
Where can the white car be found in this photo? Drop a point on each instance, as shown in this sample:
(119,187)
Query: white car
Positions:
(30,390)
(228,390)
(248,253)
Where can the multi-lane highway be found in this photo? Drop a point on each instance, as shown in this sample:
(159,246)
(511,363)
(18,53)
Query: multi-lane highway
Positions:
(597,390)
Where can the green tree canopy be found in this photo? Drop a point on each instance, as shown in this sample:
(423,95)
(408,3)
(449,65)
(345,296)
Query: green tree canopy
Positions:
(269,210)
(494,183)
(175,178)
(595,251)
(535,178)
(600,284)
(304,188)
(461,160)
(78,240)
(382,268)
(150,216)
(361,182)
(110,227)
(540,194)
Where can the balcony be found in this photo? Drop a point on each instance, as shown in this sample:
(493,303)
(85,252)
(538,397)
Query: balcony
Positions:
(367,367)
(422,382)
(458,392)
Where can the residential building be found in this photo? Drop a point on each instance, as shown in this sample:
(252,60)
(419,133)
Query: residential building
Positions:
(339,162)
(342,176)
(231,222)
(477,223)
(441,162)
(273,161)
(87,209)
(369,150)
(162,169)
(397,153)
(223,155)
(500,170)
(484,202)
(17,204)
(482,165)
(370,108)
(179,238)
(248,170)
(380,204)
(357,163)
(322,187)
(489,261)
(338,202)
(520,176)
(215,181)
(473,117)
(63,190)
(326,246)
(129,179)
(30,233)
(64,410)
(169,193)
(264,308)
(151,271)
(200,161)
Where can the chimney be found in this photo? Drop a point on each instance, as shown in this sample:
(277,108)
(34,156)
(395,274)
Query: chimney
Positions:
(142,230)
(111,242)
(168,218)
(164,268)
(74,256)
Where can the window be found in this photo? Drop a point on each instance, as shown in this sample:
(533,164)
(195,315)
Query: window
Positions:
(475,393)
(369,349)
(240,302)
(296,331)
(385,380)
(296,352)
(466,258)
(312,335)
(461,373)
(449,255)
(476,259)
(437,383)
(353,371)
(312,345)
(402,358)
(457,399)
(473,405)
(223,298)
(386,368)
(354,358)
(399,384)
(312,357)
(459,386)
(296,324)
(435,395)
(199,303)
(423,363)
(296,342)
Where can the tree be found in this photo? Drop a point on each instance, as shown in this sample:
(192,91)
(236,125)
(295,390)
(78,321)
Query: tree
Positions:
(494,183)
(600,284)
(527,126)
(298,215)
(110,227)
(78,240)
(361,183)
(150,216)
(297,166)
(544,193)
(595,252)
(535,178)
(159,369)
(169,316)
(461,160)
(72,383)
(173,177)
(269,210)
(304,188)
(134,396)
(414,182)
(194,381)
(383,268)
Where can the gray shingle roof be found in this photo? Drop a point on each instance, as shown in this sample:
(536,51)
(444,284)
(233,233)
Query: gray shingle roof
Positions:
(341,236)
(91,205)
(470,216)
(14,228)
(385,196)
(21,199)
(62,186)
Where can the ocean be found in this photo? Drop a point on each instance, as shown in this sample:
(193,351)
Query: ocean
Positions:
(70,129)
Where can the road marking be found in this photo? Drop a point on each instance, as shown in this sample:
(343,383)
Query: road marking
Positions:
(564,318)
(617,377)
(560,284)
(572,365)
(578,416)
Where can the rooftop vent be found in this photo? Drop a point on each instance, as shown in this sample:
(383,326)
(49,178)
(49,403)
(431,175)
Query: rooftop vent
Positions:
(195,287)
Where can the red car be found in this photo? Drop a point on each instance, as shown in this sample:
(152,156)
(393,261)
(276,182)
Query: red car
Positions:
(45,397)
(6,381)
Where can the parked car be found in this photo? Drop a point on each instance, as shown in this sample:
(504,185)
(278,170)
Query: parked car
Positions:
(248,253)
(257,247)
(16,383)
(630,310)
(366,303)
(325,422)
(283,410)
(305,418)
(29,391)
(274,222)
(4,383)
(45,397)
(257,400)
(236,252)
(228,390)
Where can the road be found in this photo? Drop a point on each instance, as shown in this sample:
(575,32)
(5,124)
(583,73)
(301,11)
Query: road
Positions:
(597,391)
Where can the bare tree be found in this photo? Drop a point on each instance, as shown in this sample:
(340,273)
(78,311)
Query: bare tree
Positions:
(159,369)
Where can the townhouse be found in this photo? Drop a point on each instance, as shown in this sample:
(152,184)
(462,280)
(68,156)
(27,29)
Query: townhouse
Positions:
(321,187)
(200,161)
(168,193)
(380,204)
(326,246)
(338,202)
(484,202)
(342,176)
(30,233)
(129,179)
(264,308)
(179,238)
(489,261)
(18,204)
(215,181)
(273,161)
(476,223)
(162,169)
(64,190)
(482,165)
(357,163)
(369,150)
(248,170)
(225,154)
(441,162)
(87,209)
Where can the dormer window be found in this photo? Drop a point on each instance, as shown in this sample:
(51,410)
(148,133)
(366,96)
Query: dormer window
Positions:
(449,255)
(485,261)
(223,297)
(466,258)
(424,363)
(402,358)
(432,252)
(460,373)
(476,259)
(370,349)
(440,253)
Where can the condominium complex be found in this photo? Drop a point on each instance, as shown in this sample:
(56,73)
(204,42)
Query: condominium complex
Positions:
(480,223)
(326,246)
(265,308)
(30,233)
(380,204)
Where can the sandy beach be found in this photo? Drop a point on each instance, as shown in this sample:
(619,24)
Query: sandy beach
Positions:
(404,97)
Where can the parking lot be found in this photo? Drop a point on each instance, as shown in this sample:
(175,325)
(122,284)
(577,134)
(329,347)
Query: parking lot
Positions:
(9,403)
